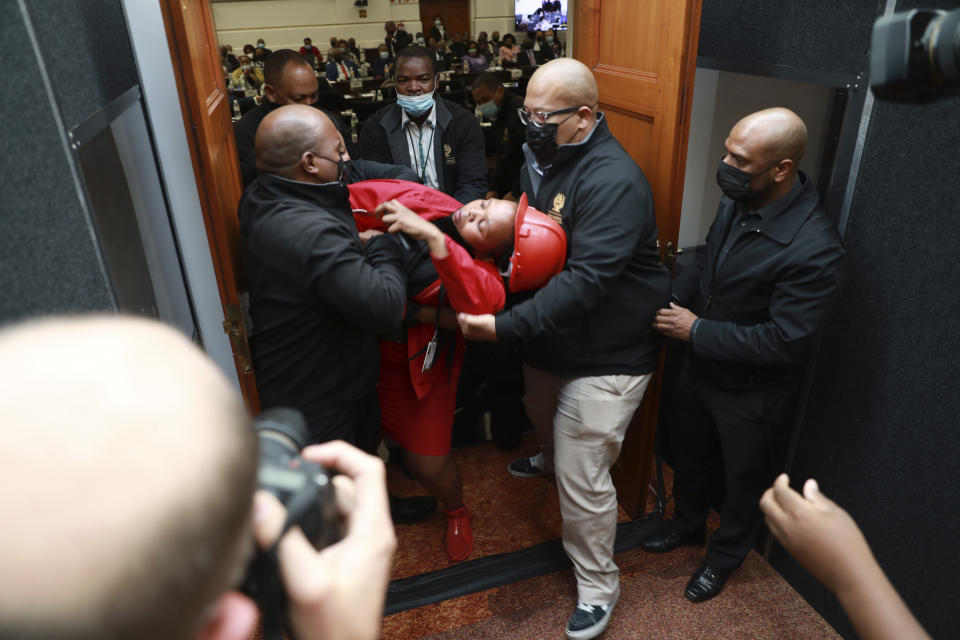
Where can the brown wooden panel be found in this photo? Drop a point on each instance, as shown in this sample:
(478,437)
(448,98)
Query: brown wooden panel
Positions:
(206,113)
(643,55)
(630,32)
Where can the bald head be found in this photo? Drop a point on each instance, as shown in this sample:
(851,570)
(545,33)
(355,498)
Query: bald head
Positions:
(775,134)
(127,468)
(565,81)
(286,134)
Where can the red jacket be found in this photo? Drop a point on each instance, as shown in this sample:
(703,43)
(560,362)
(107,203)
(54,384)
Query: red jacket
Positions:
(472,286)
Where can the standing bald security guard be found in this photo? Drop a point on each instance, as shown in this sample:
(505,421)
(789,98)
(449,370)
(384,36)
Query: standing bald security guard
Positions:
(756,297)
(587,343)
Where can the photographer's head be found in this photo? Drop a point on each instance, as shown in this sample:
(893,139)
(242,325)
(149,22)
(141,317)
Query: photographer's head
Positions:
(127,469)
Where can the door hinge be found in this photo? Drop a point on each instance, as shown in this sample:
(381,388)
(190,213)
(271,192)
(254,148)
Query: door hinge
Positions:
(233,327)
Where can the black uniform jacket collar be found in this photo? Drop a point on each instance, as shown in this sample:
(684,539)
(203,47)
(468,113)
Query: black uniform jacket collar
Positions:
(783,217)
(573,152)
(328,195)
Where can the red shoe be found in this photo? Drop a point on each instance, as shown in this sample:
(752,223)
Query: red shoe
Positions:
(459,534)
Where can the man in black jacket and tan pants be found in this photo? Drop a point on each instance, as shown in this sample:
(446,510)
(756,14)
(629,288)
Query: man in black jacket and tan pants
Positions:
(756,296)
(588,346)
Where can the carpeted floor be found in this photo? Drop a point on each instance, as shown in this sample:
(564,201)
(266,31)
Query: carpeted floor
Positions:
(756,603)
(509,513)
(513,514)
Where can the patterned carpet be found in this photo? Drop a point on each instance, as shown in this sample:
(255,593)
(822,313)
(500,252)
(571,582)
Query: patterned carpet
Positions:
(512,514)
(756,603)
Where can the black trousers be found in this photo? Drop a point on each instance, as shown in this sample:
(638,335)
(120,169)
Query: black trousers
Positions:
(358,423)
(746,430)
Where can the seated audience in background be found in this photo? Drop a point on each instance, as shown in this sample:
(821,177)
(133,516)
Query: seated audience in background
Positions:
(437,31)
(749,309)
(554,43)
(458,47)
(289,79)
(438,138)
(474,60)
(228,60)
(261,52)
(248,50)
(499,106)
(459,247)
(347,54)
(508,50)
(439,55)
(825,541)
(310,52)
(383,65)
(483,46)
(340,68)
(419,39)
(546,51)
(247,76)
(526,57)
(334,42)
(495,41)
(354,50)
(105,542)
(396,39)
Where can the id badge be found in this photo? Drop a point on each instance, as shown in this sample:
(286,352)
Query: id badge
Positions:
(431,354)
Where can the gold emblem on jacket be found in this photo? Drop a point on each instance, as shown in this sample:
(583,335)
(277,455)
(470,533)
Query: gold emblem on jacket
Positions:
(558,201)
(448,157)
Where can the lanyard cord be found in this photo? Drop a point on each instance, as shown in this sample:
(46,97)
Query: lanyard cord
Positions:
(423,157)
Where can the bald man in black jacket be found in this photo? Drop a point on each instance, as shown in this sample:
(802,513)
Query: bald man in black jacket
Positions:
(749,309)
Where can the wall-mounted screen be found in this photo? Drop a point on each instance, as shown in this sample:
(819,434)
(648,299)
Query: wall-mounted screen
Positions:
(533,15)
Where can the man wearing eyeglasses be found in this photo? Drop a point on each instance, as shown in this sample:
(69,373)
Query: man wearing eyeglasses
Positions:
(589,349)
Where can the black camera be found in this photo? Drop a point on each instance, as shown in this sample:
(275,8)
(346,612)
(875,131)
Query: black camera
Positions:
(306,490)
(915,55)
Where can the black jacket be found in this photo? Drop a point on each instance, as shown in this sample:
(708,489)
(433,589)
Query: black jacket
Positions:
(457,147)
(399,41)
(761,308)
(510,134)
(316,302)
(246,132)
(594,318)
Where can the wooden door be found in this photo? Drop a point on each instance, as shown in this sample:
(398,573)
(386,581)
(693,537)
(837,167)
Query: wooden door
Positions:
(643,55)
(206,113)
(454,13)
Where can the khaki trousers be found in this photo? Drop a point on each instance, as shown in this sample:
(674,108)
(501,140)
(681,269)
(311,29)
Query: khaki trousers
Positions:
(581,423)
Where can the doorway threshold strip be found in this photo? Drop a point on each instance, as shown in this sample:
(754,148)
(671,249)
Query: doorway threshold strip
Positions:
(497,570)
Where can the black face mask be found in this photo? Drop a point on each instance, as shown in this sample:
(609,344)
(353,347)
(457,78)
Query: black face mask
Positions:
(735,183)
(542,140)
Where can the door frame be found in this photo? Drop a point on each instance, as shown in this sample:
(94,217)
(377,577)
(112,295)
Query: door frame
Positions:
(161,100)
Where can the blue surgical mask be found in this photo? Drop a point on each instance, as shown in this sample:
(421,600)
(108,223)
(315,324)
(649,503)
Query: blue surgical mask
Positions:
(439,23)
(260,45)
(549,38)
(416,106)
(489,110)
(384,54)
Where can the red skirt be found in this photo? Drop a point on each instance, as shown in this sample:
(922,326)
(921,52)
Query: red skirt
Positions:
(419,425)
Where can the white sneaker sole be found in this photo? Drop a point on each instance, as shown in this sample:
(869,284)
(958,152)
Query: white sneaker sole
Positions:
(597,629)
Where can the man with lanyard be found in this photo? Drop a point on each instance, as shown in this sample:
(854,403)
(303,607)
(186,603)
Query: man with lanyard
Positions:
(437,138)
(588,346)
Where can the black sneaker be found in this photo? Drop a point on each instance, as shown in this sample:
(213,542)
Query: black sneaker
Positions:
(525,467)
(588,621)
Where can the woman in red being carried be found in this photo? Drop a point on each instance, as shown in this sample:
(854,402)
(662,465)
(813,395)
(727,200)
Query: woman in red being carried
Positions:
(452,266)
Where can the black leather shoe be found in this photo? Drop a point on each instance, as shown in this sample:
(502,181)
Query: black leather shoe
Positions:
(667,538)
(412,509)
(705,583)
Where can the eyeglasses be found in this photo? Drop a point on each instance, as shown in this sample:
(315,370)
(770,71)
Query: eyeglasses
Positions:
(538,118)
